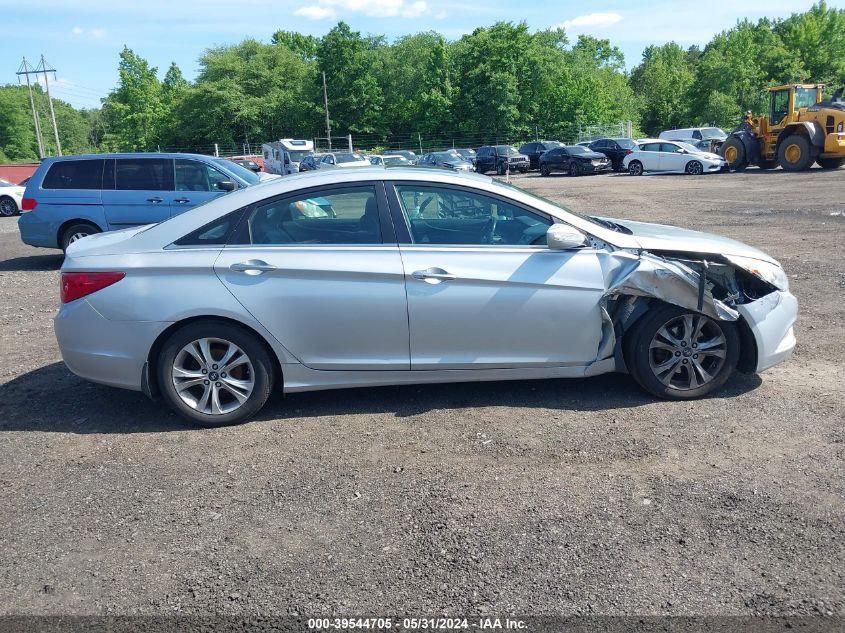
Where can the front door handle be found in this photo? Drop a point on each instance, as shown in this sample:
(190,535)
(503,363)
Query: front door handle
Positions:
(155,200)
(252,267)
(433,275)
(181,200)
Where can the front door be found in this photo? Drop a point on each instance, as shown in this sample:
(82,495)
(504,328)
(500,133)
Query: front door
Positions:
(483,289)
(137,191)
(196,182)
(320,269)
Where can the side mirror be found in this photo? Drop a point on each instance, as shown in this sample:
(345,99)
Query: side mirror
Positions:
(562,237)
(226,185)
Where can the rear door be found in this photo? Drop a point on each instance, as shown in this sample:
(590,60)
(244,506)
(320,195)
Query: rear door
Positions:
(650,156)
(321,270)
(196,182)
(137,191)
(483,289)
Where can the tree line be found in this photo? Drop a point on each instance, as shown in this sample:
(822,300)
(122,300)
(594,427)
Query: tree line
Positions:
(499,83)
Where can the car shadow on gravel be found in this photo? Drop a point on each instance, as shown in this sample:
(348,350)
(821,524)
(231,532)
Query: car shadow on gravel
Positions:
(52,399)
(33,263)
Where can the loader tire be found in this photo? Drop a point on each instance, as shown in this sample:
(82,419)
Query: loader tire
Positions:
(733,151)
(831,163)
(794,153)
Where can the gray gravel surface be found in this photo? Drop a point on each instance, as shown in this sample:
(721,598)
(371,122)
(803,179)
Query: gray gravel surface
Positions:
(547,497)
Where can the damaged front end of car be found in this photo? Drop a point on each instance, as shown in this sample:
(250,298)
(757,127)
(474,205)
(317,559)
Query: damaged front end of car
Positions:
(709,284)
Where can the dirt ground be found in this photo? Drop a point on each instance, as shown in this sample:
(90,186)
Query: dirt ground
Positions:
(559,497)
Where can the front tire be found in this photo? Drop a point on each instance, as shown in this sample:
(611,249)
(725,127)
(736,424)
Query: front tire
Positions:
(733,151)
(794,153)
(501,169)
(575,169)
(680,354)
(214,373)
(694,168)
(8,207)
(544,170)
(635,168)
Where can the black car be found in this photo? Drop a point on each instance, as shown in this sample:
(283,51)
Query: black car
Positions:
(466,153)
(500,158)
(449,159)
(411,156)
(535,148)
(310,162)
(575,160)
(615,149)
(249,164)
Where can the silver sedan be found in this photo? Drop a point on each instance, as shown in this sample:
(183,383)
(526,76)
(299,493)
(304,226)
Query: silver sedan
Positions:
(349,278)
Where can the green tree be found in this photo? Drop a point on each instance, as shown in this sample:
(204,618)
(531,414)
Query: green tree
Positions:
(817,39)
(134,111)
(662,82)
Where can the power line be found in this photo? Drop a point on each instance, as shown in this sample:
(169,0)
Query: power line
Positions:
(25,69)
(43,67)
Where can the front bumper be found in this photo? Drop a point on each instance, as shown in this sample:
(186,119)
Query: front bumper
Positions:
(590,168)
(100,350)
(770,320)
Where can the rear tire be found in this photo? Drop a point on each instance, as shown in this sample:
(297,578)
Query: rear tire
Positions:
(501,169)
(831,163)
(251,376)
(733,151)
(76,232)
(635,168)
(794,153)
(680,354)
(544,170)
(8,207)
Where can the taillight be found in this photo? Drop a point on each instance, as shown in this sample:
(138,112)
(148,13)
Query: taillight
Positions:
(78,285)
(28,204)
(628,151)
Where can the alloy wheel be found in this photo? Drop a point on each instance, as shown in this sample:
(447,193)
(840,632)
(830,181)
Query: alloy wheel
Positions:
(687,352)
(8,208)
(213,376)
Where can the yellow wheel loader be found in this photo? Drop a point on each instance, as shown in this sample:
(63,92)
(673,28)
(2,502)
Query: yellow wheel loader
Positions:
(800,129)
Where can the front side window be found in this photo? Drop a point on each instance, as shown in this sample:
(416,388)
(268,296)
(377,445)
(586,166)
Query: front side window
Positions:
(75,174)
(780,105)
(669,147)
(144,174)
(348,215)
(192,175)
(446,215)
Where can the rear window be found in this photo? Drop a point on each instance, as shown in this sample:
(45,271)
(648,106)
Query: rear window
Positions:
(74,174)
(626,143)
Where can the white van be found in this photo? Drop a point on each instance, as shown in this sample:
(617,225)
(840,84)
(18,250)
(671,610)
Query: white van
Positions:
(283,156)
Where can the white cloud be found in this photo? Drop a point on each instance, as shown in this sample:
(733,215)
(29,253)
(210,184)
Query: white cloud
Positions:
(371,8)
(592,19)
(315,12)
(77,30)
(441,16)
(98,33)
(416,9)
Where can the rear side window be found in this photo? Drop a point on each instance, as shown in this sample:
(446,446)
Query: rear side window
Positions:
(144,174)
(650,147)
(214,233)
(74,174)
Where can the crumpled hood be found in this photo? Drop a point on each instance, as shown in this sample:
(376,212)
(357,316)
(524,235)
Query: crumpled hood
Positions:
(661,237)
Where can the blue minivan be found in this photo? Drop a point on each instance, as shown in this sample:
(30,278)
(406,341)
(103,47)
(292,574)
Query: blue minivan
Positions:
(71,197)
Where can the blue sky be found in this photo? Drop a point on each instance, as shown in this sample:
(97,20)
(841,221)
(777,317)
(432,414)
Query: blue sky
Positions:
(82,38)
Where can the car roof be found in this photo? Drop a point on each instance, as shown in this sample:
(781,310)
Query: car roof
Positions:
(132,155)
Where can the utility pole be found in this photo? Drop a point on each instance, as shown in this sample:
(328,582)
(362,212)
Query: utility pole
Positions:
(26,69)
(326,104)
(43,67)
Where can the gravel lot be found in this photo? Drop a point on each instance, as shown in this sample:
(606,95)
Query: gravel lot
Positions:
(548,497)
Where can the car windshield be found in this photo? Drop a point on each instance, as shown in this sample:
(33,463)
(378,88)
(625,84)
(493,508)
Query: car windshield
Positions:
(551,144)
(466,152)
(713,132)
(625,143)
(5,183)
(247,175)
(687,146)
(396,160)
(506,150)
(447,156)
(298,155)
(579,149)
(348,158)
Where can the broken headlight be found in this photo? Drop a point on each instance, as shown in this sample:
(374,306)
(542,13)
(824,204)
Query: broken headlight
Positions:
(768,272)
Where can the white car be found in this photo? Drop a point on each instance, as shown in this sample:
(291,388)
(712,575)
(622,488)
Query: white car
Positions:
(10,198)
(389,160)
(657,155)
(344,159)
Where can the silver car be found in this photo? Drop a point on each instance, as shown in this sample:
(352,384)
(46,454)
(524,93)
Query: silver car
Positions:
(409,276)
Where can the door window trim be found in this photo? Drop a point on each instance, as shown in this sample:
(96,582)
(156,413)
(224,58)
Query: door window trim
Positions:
(403,231)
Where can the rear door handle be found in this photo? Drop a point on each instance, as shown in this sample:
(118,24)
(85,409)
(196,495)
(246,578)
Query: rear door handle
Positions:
(181,200)
(252,267)
(155,200)
(433,275)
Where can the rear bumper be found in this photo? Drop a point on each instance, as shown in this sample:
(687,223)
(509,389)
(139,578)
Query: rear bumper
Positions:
(37,232)
(771,320)
(107,352)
